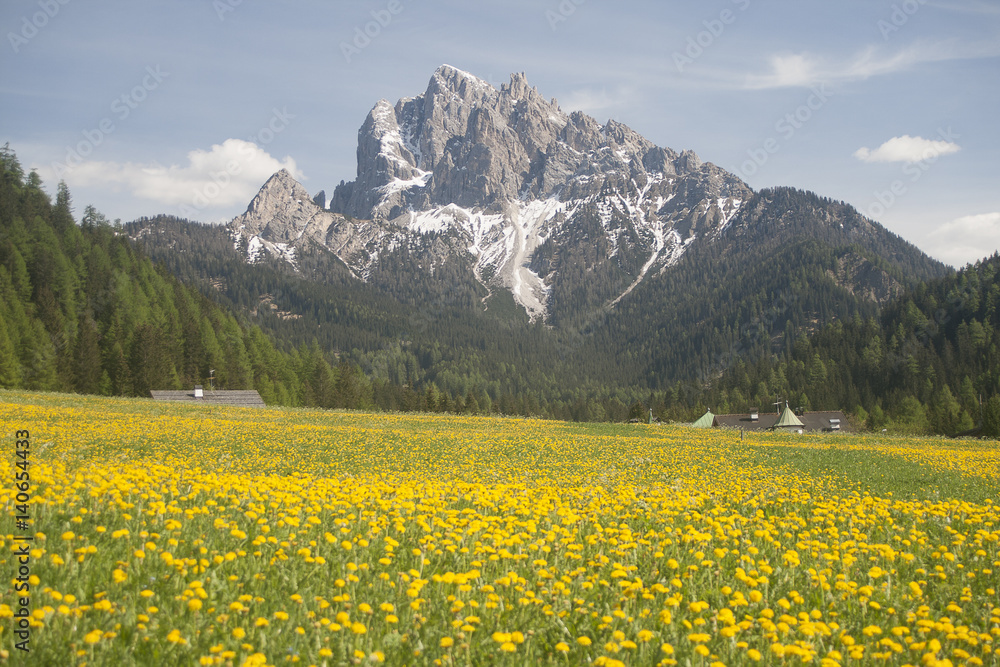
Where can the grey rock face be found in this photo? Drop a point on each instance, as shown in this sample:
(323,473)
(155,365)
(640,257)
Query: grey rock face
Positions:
(464,142)
(507,172)
(282,217)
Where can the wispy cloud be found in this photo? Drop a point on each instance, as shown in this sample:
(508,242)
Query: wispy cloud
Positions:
(592,101)
(804,69)
(967,239)
(226,175)
(907,149)
(982,7)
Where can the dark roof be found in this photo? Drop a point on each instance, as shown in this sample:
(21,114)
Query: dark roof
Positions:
(765,422)
(811,421)
(247,398)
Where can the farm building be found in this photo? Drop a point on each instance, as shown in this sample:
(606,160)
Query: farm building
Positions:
(707,420)
(828,421)
(244,398)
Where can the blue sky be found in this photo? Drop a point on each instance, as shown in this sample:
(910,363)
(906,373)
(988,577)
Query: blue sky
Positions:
(186,107)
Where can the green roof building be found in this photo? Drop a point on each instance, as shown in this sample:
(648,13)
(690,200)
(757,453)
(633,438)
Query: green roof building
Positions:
(788,421)
(707,420)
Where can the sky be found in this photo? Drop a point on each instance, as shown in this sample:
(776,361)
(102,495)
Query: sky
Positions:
(186,107)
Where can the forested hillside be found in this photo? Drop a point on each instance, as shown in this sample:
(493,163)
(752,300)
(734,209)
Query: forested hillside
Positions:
(82,310)
(928,363)
(425,340)
(790,263)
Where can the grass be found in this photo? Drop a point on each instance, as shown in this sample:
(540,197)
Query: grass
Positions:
(213,535)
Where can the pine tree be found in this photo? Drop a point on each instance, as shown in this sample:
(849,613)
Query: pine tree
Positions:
(87,371)
(991,417)
(471,404)
(149,363)
(10,369)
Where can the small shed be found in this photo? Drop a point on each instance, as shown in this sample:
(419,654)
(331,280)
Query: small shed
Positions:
(244,398)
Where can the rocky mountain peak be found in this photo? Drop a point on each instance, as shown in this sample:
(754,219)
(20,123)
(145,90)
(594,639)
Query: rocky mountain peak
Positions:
(269,209)
(464,142)
(451,80)
(505,173)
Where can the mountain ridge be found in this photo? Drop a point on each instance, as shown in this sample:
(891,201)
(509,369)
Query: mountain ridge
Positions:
(505,170)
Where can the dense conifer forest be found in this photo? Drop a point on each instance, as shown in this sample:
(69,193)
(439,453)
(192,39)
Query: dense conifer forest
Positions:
(82,310)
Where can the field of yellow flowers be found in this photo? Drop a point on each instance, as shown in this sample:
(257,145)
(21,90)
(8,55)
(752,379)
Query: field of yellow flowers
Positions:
(194,535)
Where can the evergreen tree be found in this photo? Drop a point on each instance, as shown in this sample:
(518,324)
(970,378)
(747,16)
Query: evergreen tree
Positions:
(471,404)
(149,361)
(10,369)
(87,358)
(991,417)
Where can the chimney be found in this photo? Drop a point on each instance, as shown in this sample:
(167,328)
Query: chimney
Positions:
(198,391)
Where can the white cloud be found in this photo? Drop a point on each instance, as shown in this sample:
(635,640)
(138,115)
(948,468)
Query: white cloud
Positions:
(967,239)
(588,101)
(907,149)
(226,175)
(798,69)
(804,70)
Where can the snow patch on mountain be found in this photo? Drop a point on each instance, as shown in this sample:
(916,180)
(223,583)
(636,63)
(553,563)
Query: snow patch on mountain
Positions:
(498,173)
